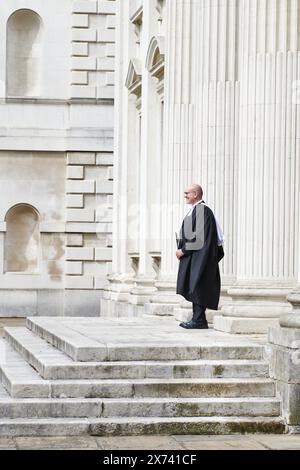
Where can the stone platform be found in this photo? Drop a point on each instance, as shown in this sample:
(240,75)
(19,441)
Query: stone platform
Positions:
(122,376)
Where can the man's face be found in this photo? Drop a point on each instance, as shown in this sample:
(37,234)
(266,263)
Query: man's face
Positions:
(190,196)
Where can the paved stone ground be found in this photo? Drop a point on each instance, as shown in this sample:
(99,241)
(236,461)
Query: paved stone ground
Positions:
(186,442)
(189,442)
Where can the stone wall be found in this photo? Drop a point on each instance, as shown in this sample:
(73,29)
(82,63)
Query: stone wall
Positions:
(93,49)
(56,155)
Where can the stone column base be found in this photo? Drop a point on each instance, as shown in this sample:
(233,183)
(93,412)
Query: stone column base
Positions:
(126,296)
(183,314)
(113,308)
(164,300)
(237,325)
(253,308)
(160,309)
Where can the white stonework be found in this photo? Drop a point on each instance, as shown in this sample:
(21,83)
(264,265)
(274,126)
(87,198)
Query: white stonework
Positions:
(205,91)
(56,118)
(210,96)
(105,376)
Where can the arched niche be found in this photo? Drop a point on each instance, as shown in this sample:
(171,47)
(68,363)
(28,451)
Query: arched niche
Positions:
(23,54)
(155,60)
(22,239)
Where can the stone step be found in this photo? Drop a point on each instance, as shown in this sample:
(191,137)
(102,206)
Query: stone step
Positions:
(176,407)
(74,344)
(44,427)
(195,425)
(138,426)
(22,381)
(54,364)
(50,408)
(23,384)
(81,347)
(137,407)
(18,378)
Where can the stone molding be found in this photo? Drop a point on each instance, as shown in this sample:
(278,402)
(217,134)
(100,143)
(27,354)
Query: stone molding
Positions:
(134,77)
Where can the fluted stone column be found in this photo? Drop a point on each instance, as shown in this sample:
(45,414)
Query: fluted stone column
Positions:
(179,140)
(137,171)
(267,184)
(150,170)
(121,280)
(215,118)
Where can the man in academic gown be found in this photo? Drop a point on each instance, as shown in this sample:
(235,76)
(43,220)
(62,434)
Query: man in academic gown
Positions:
(199,249)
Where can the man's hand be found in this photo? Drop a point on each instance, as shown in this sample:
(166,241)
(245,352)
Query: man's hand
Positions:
(179,254)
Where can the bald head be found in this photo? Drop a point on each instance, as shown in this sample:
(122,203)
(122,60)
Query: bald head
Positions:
(197,188)
(193,193)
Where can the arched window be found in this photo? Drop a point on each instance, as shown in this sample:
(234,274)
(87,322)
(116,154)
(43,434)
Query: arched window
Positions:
(155,60)
(23,54)
(22,239)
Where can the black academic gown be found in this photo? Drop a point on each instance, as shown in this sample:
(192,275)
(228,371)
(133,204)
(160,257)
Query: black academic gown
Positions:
(198,278)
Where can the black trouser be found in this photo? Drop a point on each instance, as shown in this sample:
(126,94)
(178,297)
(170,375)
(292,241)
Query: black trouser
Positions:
(199,314)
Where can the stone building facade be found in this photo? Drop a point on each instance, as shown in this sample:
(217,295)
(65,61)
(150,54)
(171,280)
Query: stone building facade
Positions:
(207,91)
(108,109)
(56,155)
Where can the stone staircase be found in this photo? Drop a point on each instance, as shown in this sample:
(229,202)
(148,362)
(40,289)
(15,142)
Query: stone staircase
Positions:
(72,376)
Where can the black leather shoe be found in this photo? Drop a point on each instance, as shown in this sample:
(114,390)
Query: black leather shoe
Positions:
(193,325)
(186,324)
